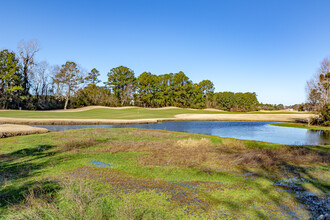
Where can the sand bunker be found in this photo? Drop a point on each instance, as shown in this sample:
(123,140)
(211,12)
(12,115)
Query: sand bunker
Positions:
(31,121)
(246,117)
(9,130)
(106,107)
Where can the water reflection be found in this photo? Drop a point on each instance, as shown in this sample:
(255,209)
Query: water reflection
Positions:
(323,135)
(260,131)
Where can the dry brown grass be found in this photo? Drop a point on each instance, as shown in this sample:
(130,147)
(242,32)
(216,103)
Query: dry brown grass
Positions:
(185,153)
(129,146)
(274,158)
(68,141)
(147,133)
(192,143)
(188,152)
(9,130)
(76,144)
(202,153)
(233,144)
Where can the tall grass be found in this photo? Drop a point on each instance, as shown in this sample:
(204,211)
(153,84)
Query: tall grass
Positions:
(80,200)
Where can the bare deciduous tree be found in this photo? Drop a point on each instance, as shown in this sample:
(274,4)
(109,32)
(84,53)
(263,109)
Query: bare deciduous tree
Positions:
(40,79)
(55,84)
(318,88)
(26,53)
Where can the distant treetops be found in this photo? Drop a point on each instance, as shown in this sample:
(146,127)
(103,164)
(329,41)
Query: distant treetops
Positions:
(29,84)
(172,89)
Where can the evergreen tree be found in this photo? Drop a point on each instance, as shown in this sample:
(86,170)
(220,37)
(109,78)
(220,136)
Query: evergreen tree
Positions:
(69,77)
(10,79)
(122,82)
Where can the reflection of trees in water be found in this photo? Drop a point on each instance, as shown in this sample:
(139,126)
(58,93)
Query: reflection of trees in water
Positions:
(323,134)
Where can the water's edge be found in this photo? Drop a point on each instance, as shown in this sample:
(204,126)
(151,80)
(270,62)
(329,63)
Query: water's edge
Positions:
(245,130)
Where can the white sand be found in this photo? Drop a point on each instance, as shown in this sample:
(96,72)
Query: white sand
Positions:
(246,117)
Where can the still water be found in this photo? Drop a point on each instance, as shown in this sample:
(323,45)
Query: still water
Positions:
(259,131)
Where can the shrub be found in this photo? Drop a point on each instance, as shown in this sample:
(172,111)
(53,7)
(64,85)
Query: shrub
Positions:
(324,116)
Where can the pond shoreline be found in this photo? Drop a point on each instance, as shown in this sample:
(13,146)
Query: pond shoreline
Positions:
(302,126)
(245,130)
(180,117)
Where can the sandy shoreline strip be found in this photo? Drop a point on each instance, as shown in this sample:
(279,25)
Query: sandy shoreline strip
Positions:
(180,117)
(246,117)
(10,130)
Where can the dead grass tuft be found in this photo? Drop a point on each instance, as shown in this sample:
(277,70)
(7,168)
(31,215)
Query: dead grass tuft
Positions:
(76,144)
(193,143)
(185,153)
(233,144)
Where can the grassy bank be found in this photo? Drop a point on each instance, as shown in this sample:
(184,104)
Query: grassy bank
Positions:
(129,113)
(299,125)
(151,174)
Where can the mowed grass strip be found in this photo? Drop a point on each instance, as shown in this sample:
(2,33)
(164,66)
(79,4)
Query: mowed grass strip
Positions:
(153,174)
(129,113)
(299,125)
(102,113)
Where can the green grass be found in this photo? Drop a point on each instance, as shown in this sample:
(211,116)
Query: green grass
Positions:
(154,174)
(299,125)
(130,113)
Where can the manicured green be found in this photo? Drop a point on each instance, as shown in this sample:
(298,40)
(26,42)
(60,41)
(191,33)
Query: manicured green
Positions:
(152,174)
(299,125)
(130,113)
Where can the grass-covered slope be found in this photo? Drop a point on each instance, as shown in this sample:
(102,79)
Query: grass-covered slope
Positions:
(151,174)
(104,113)
(299,125)
(108,113)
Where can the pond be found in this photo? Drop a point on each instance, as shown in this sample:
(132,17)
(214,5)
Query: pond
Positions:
(259,131)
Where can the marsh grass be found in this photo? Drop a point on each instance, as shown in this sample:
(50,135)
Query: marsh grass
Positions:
(156,175)
(185,153)
(78,199)
(274,159)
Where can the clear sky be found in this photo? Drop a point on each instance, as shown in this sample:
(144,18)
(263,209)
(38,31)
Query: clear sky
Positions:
(270,47)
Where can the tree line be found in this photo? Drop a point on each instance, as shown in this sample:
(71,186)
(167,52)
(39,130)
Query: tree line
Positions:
(28,84)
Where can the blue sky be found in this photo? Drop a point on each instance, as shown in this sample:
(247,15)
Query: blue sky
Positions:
(263,46)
